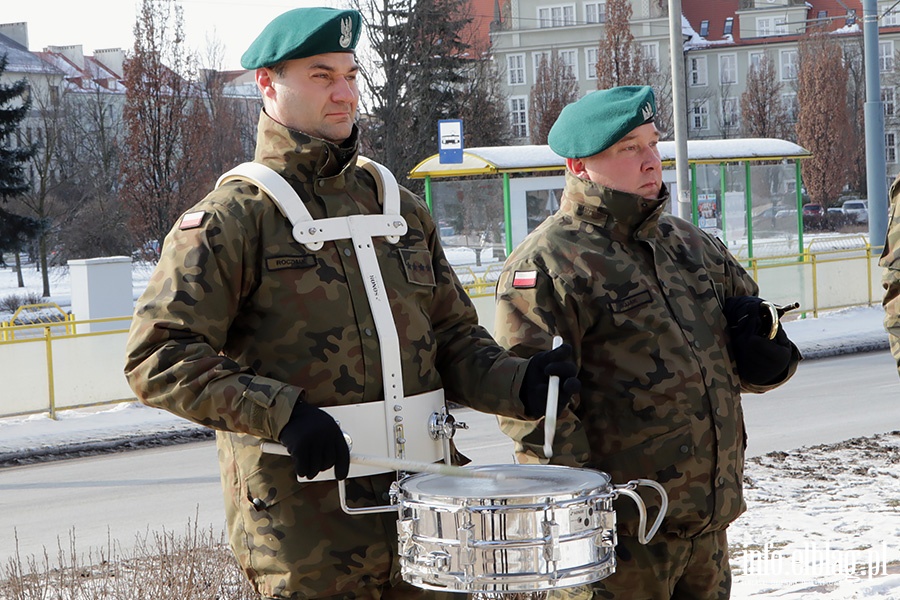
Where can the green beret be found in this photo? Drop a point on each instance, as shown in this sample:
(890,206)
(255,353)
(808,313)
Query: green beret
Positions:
(600,119)
(303,32)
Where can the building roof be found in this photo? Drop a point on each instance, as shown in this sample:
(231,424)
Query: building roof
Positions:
(20,60)
(87,75)
(840,16)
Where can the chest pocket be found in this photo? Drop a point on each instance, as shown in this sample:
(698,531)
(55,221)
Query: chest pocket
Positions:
(418,266)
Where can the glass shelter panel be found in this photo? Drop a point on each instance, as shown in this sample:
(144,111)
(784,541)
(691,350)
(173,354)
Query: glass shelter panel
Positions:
(469,216)
(776,222)
(721,207)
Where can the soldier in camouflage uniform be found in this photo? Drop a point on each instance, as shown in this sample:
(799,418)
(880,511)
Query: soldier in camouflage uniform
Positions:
(890,260)
(247,331)
(666,329)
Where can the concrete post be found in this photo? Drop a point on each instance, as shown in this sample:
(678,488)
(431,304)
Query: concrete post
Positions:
(101,288)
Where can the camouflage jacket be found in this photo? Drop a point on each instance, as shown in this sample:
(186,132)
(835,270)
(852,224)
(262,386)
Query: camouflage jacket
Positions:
(239,321)
(890,260)
(639,294)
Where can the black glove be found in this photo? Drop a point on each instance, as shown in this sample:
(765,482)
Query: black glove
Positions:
(760,360)
(315,442)
(542,365)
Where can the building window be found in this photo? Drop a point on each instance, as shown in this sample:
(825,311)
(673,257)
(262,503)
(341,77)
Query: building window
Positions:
(731,113)
(700,115)
(823,14)
(729,25)
(650,53)
(704,28)
(789,102)
(781,27)
(727,68)
(886,56)
(556,16)
(570,59)
(697,74)
(887,101)
(518,114)
(766,26)
(515,69)
(590,62)
(595,12)
(890,14)
(890,147)
(537,57)
(755,59)
(788,65)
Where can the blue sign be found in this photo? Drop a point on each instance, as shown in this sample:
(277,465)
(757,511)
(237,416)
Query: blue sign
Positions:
(450,141)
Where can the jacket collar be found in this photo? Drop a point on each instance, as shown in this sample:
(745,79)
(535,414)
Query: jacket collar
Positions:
(298,156)
(627,214)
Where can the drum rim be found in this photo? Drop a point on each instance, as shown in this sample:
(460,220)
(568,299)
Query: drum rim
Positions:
(412,486)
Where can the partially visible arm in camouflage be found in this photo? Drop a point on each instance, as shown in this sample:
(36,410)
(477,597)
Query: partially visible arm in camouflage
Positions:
(181,323)
(740,283)
(526,321)
(475,371)
(890,260)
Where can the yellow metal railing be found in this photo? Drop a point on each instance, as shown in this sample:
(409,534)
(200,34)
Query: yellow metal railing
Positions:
(8,328)
(37,332)
(483,284)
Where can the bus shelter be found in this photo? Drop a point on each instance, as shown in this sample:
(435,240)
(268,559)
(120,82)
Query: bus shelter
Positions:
(741,190)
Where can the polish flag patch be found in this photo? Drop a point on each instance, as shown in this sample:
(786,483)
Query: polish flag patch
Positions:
(524,279)
(191,220)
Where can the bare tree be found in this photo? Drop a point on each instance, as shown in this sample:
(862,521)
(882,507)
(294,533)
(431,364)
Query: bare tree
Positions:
(822,125)
(226,124)
(46,200)
(619,58)
(621,61)
(162,173)
(763,114)
(856,100)
(95,222)
(554,88)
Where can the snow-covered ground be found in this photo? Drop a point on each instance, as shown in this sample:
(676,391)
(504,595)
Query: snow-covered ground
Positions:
(822,523)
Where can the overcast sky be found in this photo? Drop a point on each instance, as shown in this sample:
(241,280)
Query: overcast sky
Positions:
(100,24)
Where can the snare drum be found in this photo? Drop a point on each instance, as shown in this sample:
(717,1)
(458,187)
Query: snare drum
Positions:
(540,527)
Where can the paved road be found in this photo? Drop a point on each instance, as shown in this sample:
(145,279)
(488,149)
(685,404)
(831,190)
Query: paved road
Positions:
(119,496)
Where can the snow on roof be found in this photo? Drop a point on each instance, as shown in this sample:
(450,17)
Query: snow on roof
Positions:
(20,60)
(512,159)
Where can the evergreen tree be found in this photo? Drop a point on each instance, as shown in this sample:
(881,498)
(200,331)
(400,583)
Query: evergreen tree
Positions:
(422,72)
(14,107)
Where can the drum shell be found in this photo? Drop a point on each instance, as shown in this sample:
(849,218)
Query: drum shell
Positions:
(507,541)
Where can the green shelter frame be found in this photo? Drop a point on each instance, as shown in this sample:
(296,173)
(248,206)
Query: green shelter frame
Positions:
(724,157)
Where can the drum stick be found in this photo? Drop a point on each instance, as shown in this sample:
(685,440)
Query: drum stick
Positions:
(552,404)
(399,464)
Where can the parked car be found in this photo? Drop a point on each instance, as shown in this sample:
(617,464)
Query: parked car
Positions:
(856,211)
(814,217)
(815,210)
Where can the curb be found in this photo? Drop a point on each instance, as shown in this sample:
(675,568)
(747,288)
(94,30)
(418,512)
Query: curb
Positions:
(27,456)
(815,351)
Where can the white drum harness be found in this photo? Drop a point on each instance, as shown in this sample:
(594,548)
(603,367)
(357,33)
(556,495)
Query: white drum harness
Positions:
(416,426)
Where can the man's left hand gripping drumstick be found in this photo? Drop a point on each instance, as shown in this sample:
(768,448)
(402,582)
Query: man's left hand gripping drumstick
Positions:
(552,403)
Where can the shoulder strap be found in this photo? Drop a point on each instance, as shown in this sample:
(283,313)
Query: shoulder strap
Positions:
(390,224)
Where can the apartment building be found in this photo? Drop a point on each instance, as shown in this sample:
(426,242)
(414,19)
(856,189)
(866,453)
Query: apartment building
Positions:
(531,29)
(722,40)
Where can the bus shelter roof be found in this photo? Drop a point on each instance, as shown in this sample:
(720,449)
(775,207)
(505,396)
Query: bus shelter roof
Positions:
(524,159)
